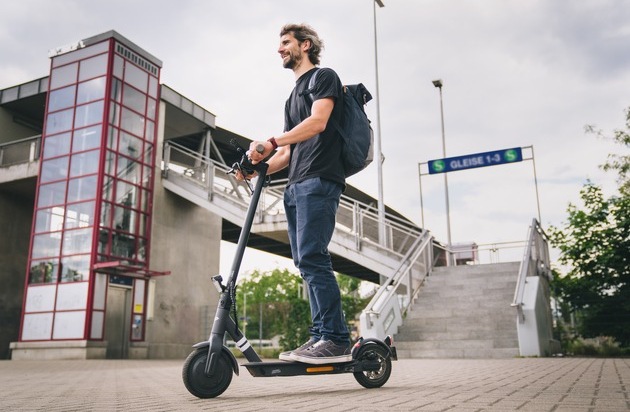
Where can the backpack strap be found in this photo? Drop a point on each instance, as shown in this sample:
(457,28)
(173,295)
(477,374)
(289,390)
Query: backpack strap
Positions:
(308,93)
(311,85)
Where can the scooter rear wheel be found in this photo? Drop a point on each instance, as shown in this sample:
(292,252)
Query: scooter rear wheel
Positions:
(377,378)
(196,380)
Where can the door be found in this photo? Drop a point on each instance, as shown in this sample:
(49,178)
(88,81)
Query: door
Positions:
(118,321)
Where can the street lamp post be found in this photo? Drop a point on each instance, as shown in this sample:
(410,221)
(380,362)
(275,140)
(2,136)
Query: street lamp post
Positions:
(377,139)
(438,83)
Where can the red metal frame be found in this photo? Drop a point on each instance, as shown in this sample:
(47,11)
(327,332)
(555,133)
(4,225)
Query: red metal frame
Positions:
(138,268)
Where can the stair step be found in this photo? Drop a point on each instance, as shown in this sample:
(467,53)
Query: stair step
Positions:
(486,353)
(463,312)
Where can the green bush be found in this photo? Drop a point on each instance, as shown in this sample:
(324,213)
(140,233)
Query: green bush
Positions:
(603,347)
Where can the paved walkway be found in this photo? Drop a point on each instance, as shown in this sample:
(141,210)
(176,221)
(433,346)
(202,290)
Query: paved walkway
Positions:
(552,384)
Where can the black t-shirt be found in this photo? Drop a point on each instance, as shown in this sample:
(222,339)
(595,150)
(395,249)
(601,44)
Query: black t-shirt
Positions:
(319,156)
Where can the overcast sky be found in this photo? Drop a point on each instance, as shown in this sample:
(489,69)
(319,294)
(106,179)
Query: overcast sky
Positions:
(516,73)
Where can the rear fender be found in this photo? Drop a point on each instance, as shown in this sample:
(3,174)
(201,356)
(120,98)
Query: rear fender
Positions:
(372,341)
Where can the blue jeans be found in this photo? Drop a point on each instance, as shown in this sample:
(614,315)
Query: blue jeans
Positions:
(311,207)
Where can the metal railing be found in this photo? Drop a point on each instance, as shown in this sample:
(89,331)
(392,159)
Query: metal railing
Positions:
(354,218)
(535,262)
(20,151)
(385,311)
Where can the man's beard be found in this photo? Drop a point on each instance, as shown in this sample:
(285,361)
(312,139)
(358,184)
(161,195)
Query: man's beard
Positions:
(292,62)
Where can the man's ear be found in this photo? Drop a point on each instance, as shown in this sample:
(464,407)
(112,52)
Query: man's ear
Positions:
(306,45)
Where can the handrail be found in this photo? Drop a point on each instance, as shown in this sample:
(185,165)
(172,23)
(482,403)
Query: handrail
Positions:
(353,217)
(384,313)
(535,263)
(389,288)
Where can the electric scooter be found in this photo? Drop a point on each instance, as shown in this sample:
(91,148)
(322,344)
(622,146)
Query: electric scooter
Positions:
(207,372)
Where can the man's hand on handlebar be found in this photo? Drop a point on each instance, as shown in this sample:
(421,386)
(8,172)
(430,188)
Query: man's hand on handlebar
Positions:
(240,177)
(258,151)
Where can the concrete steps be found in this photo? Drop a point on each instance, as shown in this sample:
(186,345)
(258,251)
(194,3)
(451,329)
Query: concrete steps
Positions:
(463,312)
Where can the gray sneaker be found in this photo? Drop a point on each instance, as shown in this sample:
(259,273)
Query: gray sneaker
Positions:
(286,356)
(324,351)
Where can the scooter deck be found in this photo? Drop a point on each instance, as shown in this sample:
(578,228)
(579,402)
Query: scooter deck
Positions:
(285,368)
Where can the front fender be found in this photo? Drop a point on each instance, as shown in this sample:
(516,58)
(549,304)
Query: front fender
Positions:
(225,350)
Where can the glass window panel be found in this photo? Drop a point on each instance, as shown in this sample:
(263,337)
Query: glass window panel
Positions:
(132,122)
(91,90)
(110,163)
(144,201)
(151,108)
(141,253)
(59,121)
(63,76)
(116,93)
(146,177)
(153,87)
(119,64)
(54,169)
(75,268)
(114,114)
(125,219)
(104,238)
(148,154)
(89,114)
(49,220)
(44,271)
(128,169)
(150,133)
(86,139)
(80,215)
(52,194)
(112,136)
(108,188)
(123,245)
(83,188)
(130,145)
(134,99)
(106,214)
(126,194)
(77,241)
(144,221)
(136,77)
(56,145)
(92,67)
(46,245)
(61,98)
(84,163)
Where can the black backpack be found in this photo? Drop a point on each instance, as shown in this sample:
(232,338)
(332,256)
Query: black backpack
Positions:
(358,138)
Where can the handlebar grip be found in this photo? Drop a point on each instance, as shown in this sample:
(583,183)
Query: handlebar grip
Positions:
(260,148)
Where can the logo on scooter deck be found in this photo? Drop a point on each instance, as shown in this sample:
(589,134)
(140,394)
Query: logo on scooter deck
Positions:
(494,158)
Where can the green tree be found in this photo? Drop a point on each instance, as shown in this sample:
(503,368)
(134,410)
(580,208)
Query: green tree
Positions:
(279,296)
(594,244)
(616,161)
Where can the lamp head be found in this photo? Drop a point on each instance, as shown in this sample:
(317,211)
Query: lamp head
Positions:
(437,83)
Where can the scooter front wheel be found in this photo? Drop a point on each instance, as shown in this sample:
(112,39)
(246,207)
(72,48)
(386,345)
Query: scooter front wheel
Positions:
(374,378)
(202,385)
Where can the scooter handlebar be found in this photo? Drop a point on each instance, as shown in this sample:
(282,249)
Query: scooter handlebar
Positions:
(245,164)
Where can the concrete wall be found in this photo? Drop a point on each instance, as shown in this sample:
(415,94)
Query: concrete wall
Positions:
(15,220)
(185,240)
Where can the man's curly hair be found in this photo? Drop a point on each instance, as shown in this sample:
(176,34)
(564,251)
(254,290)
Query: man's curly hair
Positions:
(303,32)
